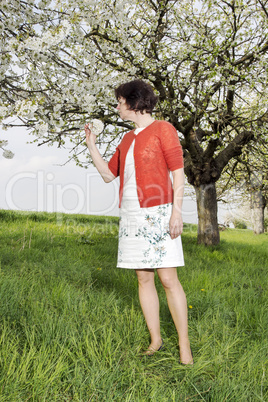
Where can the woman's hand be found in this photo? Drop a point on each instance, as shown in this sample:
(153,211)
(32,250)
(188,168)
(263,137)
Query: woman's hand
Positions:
(175,225)
(90,137)
(99,162)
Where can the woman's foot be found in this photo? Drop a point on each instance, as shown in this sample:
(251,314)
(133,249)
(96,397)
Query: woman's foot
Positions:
(153,348)
(186,357)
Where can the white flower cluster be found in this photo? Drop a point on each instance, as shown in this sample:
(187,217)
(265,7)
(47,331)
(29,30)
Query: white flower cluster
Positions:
(8,154)
(3,111)
(26,108)
(41,129)
(49,38)
(89,101)
(97,126)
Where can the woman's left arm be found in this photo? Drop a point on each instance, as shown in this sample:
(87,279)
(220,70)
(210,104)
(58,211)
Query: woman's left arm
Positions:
(175,222)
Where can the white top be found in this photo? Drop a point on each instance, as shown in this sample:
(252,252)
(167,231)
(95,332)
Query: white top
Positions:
(130,185)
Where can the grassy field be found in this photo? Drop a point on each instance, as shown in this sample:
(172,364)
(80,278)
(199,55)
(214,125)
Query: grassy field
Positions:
(72,328)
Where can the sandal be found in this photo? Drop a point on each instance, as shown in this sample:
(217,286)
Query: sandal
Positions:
(151,351)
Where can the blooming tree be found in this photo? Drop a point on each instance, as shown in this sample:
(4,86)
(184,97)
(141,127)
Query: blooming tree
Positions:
(246,178)
(61,60)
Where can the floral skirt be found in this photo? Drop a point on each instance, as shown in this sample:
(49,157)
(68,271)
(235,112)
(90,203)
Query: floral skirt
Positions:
(144,240)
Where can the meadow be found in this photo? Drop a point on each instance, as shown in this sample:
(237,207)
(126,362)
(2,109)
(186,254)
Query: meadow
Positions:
(71,328)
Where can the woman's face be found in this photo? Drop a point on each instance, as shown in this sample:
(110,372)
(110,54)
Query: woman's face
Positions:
(123,110)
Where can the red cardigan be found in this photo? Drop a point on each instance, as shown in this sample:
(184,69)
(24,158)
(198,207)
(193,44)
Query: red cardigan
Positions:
(157,151)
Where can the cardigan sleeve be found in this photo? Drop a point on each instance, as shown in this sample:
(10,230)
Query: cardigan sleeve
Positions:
(113,163)
(171,147)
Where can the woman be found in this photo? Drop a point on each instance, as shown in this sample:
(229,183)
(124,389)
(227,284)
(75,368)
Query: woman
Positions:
(150,207)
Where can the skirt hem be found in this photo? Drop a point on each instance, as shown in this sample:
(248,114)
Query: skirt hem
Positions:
(128,266)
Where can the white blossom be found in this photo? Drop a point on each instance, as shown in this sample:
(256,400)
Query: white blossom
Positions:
(41,129)
(57,107)
(3,143)
(8,154)
(97,126)
(26,108)
(50,38)
(3,111)
(89,99)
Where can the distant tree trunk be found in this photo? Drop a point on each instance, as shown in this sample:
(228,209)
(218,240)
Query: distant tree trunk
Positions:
(208,231)
(258,202)
(258,205)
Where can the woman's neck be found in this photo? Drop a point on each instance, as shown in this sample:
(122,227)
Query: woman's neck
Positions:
(143,120)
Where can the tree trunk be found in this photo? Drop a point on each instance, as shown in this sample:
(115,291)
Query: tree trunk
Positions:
(258,206)
(208,231)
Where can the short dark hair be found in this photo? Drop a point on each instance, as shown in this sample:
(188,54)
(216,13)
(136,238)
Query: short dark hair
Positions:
(139,95)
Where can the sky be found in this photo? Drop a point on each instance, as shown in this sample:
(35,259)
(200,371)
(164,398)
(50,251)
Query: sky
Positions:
(36,180)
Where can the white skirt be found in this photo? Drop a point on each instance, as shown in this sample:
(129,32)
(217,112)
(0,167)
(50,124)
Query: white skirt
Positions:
(144,239)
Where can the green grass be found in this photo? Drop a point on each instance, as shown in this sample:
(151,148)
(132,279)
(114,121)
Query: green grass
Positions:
(71,328)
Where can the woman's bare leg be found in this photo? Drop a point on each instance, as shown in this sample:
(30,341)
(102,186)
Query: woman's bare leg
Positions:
(177,304)
(150,305)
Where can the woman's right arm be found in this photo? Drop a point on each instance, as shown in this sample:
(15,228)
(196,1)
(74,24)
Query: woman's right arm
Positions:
(99,162)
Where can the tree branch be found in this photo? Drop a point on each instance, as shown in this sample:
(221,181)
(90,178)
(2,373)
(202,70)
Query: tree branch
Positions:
(263,7)
(234,148)
(251,56)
